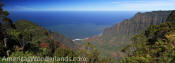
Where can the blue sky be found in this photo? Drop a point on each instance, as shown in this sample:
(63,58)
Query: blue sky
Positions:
(88,5)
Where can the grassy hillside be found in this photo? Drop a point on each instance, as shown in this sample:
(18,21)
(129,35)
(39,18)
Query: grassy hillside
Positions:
(41,34)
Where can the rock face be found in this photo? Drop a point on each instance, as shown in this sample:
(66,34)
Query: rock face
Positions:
(118,36)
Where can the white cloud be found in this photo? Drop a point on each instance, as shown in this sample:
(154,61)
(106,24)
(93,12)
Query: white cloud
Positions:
(144,5)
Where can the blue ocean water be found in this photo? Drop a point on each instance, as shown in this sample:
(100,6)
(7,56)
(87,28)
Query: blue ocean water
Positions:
(73,24)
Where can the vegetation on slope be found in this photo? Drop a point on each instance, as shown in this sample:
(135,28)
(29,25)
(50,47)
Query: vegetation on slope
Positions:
(154,45)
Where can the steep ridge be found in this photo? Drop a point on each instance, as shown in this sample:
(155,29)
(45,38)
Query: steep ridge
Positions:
(136,24)
(116,37)
(61,38)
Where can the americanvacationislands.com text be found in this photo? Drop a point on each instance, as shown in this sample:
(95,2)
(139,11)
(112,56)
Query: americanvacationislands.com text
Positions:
(35,59)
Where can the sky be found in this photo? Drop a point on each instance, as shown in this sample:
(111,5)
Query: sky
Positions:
(88,5)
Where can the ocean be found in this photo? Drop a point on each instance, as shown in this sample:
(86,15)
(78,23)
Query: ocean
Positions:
(73,24)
